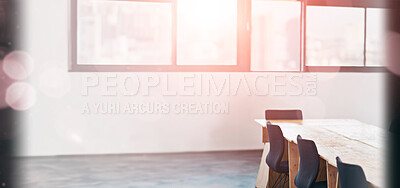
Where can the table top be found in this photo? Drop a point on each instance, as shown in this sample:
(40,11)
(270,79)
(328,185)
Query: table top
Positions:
(353,141)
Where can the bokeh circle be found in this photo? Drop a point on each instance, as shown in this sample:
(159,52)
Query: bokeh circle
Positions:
(20,96)
(18,65)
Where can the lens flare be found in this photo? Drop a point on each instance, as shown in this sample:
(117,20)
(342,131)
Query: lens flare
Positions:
(18,65)
(5,82)
(20,96)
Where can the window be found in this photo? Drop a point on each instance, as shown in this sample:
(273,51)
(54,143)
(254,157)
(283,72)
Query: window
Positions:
(206,32)
(157,35)
(344,38)
(334,36)
(124,33)
(375,48)
(275,35)
(226,35)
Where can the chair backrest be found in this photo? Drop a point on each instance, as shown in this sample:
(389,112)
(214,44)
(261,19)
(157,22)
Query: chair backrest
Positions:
(351,175)
(309,163)
(283,114)
(277,147)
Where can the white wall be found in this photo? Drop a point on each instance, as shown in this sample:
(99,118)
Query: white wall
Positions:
(56,126)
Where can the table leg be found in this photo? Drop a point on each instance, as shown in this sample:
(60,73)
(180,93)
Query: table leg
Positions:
(294,161)
(331,175)
(322,171)
(263,172)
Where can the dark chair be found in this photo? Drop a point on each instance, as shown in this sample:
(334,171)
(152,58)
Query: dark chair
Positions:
(283,114)
(351,175)
(276,151)
(309,165)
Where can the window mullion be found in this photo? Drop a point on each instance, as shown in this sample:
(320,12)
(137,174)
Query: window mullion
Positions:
(365,37)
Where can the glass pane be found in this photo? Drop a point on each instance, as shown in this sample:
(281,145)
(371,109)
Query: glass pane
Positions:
(206,32)
(124,33)
(335,36)
(275,36)
(375,35)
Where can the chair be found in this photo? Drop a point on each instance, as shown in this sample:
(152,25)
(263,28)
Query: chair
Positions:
(309,165)
(274,157)
(351,175)
(283,114)
(280,115)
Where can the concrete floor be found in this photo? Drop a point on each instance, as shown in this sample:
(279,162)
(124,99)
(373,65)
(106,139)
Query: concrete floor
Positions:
(233,169)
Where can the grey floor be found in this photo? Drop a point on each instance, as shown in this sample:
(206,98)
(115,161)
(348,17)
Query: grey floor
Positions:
(192,170)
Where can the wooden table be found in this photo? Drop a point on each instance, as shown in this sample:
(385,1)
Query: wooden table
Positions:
(353,141)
